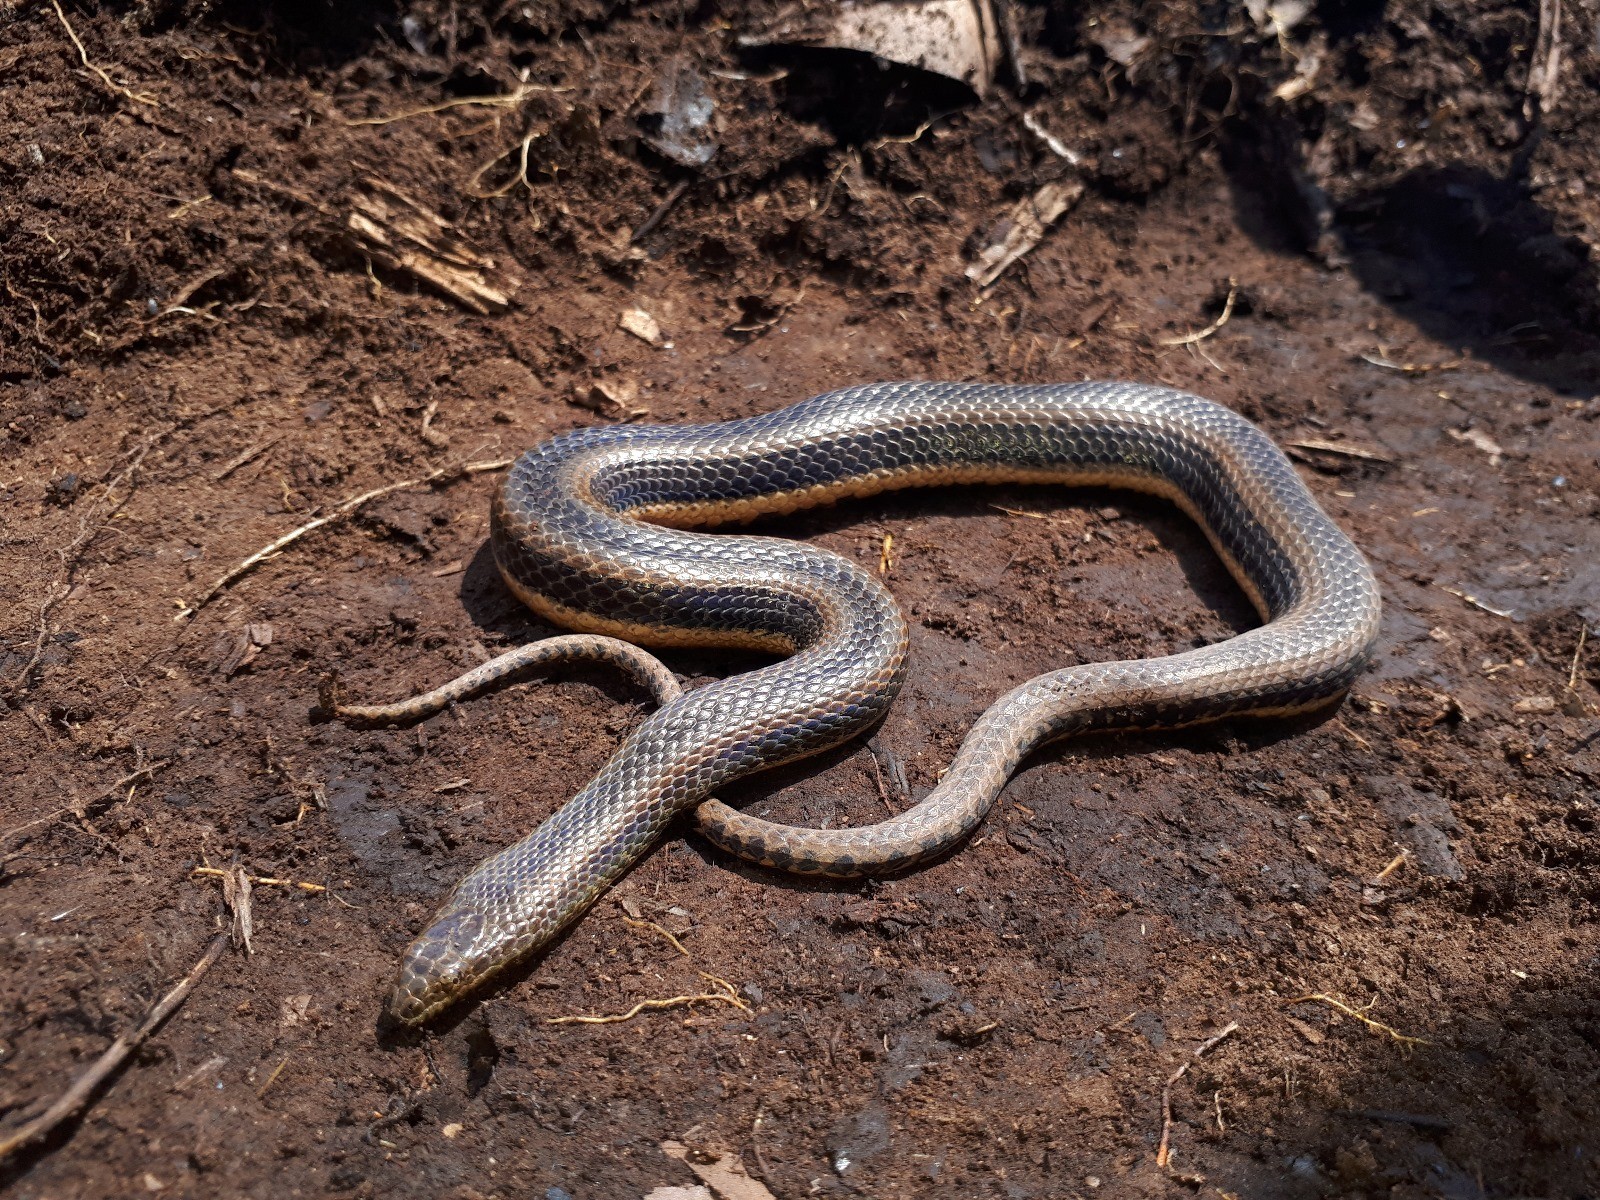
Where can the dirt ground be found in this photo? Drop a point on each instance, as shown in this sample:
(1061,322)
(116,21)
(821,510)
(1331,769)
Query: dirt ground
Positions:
(1383,216)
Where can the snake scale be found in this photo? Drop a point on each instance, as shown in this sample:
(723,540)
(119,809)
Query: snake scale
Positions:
(592,531)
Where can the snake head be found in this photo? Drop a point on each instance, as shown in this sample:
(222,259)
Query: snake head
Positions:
(440,967)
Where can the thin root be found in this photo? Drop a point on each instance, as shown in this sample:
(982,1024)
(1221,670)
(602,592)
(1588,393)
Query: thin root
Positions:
(1382,359)
(261,881)
(509,100)
(1164,1149)
(641,923)
(1360,1015)
(1190,339)
(725,994)
(136,97)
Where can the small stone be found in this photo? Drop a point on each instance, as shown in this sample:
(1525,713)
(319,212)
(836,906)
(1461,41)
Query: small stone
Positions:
(452,1129)
(64,488)
(641,324)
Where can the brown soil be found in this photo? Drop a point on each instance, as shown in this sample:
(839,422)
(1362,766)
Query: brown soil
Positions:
(176,290)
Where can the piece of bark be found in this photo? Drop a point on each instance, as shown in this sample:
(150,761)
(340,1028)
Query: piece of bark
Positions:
(403,236)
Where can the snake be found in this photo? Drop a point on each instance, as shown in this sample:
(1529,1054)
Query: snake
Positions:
(603,531)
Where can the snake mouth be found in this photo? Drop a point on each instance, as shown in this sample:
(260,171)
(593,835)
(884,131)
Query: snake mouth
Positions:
(441,966)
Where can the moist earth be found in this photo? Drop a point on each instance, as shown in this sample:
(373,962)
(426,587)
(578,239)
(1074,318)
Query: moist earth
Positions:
(1366,938)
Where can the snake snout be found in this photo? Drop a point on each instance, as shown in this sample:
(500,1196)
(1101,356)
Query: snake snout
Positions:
(443,964)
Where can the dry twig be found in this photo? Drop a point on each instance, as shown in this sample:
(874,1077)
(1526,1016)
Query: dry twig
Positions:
(273,1078)
(245,457)
(1395,864)
(1544,72)
(92,524)
(343,509)
(77,1097)
(1469,598)
(1164,1150)
(660,211)
(1577,658)
(82,810)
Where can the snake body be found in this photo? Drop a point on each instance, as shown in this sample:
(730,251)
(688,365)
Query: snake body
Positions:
(591,530)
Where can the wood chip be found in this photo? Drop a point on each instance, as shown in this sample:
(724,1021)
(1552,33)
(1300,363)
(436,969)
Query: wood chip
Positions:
(1315,1036)
(614,398)
(236,895)
(403,236)
(1343,449)
(641,324)
(1024,229)
(724,1175)
(1479,440)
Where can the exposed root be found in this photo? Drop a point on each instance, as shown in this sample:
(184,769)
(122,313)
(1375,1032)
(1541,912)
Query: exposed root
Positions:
(1360,1015)
(725,994)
